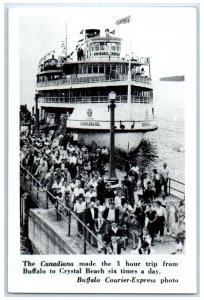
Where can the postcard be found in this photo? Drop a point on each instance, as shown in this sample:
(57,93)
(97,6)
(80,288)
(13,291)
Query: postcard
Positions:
(102,149)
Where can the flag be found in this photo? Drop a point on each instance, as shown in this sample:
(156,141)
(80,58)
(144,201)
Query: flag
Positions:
(82,31)
(123,21)
(112,32)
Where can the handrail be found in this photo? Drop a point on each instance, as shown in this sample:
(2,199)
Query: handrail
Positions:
(170,187)
(95,99)
(85,228)
(177,181)
(93,79)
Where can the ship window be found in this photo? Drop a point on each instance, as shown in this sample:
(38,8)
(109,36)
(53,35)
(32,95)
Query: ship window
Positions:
(113,67)
(101,68)
(102,46)
(113,46)
(95,68)
(80,69)
(97,47)
(108,47)
(118,69)
(89,69)
(123,69)
(84,69)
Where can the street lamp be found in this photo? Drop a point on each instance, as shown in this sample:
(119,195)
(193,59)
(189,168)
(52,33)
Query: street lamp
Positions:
(112,175)
(36,114)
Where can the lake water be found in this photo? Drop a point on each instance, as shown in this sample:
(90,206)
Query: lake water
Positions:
(169,116)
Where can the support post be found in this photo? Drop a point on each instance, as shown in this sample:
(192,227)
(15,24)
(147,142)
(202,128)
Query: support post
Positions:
(37,114)
(169,186)
(69,223)
(47,204)
(37,190)
(112,174)
(57,206)
(84,240)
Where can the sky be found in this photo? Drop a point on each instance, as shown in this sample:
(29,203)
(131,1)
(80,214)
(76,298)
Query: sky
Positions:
(163,33)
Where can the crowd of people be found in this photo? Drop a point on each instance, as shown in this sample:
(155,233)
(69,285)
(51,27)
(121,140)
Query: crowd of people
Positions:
(134,213)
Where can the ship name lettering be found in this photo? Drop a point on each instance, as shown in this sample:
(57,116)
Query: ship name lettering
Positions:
(89,123)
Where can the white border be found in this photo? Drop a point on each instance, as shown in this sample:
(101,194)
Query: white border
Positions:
(13,163)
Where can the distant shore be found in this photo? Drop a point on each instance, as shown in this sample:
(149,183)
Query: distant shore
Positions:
(173,78)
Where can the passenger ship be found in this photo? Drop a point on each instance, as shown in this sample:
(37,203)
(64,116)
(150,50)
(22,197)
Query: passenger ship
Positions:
(77,91)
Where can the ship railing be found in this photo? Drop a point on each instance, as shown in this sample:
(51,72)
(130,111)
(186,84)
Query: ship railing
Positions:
(177,187)
(93,79)
(95,99)
(174,187)
(44,198)
(141,79)
(141,99)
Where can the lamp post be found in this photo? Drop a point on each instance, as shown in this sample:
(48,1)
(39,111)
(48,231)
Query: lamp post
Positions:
(112,175)
(37,114)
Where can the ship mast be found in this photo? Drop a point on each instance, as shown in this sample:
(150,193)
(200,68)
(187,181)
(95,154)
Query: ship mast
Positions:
(66,39)
(129,66)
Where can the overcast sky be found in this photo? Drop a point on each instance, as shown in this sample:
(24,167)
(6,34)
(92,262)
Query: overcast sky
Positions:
(164,34)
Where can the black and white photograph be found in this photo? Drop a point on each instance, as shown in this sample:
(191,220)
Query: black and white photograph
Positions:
(107,119)
(102,135)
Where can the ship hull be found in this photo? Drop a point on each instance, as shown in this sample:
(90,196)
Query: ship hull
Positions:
(124,141)
(92,123)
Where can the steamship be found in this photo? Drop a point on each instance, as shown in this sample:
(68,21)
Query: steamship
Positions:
(77,91)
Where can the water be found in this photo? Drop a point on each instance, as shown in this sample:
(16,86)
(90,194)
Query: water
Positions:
(169,116)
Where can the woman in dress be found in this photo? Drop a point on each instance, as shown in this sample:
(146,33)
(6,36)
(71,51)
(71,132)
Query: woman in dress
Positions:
(172,219)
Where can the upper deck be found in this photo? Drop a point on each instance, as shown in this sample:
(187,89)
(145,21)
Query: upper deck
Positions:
(94,81)
(98,63)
